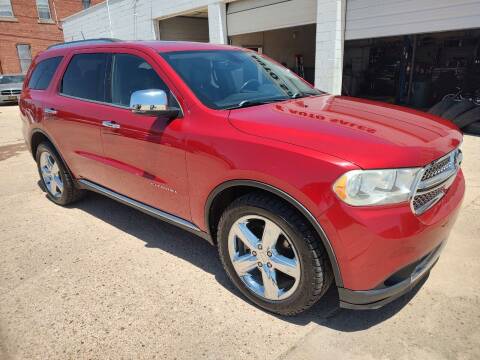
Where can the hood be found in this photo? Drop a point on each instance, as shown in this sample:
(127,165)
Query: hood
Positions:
(370,134)
(11,86)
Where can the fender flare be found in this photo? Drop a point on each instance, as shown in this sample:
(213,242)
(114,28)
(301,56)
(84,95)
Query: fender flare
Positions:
(292,201)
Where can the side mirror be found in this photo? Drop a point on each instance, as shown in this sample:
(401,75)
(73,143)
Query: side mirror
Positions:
(152,102)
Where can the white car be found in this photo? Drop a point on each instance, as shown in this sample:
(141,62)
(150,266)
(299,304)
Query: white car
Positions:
(10,87)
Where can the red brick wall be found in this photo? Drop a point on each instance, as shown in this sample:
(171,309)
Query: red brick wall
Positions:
(25,28)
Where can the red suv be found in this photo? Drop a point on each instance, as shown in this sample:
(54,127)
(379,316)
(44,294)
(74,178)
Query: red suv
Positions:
(296,188)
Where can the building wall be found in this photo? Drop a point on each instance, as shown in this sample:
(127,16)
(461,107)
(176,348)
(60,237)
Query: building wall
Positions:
(26,28)
(94,22)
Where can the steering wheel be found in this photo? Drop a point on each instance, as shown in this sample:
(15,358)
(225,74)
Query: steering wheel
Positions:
(248,83)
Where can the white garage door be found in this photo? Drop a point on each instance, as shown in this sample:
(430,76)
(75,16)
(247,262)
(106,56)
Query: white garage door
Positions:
(247,16)
(377,18)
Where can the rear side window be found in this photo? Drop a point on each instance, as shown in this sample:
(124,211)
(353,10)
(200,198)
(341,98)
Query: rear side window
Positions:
(43,73)
(85,77)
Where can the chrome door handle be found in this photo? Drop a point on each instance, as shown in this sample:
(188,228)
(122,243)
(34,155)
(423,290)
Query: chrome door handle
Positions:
(50,111)
(111,124)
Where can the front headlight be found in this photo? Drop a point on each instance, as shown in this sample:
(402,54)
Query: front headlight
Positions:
(376,187)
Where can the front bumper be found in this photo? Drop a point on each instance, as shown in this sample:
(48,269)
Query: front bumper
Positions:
(376,298)
(373,244)
(10,99)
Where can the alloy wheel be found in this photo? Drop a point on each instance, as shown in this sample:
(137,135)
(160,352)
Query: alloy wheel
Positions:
(264,257)
(51,174)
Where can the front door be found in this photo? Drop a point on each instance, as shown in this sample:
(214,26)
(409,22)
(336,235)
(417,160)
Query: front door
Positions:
(145,156)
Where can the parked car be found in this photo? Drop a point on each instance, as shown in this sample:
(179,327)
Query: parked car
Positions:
(297,188)
(10,88)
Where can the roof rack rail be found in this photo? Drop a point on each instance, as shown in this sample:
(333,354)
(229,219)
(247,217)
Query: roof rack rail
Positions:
(87,41)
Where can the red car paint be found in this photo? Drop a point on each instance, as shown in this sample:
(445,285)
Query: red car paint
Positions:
(299,147)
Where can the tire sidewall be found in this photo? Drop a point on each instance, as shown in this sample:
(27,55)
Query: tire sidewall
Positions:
(304,290)
(45,148)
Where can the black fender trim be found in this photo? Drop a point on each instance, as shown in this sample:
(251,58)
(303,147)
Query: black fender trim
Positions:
(303,210)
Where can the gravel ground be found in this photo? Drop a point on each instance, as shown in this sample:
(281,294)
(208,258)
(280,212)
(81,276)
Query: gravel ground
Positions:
(100,280)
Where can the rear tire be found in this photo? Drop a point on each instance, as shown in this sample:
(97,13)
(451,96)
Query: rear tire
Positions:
(473,129)
(55,178)
(442,106)
(458,109)
(470,117)
(295,243)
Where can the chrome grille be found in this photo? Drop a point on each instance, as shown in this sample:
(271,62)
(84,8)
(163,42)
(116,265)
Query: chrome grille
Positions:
(427,200)
(435,181)
(10,92)
(437,169)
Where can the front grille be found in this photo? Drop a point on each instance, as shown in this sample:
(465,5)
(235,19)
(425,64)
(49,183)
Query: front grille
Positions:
(435,181)
(10,92)
(437,169)
(427,200)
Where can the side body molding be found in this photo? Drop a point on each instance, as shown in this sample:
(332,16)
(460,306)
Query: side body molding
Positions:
(295,203)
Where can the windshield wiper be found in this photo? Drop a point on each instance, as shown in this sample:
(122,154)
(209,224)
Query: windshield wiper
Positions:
(302,94)
(299,95)
(247,103)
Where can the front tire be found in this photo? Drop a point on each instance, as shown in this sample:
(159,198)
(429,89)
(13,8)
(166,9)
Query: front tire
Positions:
(55,177)
(272,254)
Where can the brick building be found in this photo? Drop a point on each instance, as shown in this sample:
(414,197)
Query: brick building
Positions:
(30,26)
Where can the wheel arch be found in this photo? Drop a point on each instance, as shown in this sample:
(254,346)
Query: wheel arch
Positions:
(38,136)
(224,193)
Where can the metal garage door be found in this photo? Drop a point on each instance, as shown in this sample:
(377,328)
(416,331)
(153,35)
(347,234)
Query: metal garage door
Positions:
(249,16)
(184,28)
(376,18)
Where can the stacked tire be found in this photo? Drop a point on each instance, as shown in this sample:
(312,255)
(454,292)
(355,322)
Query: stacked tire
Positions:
(464,113)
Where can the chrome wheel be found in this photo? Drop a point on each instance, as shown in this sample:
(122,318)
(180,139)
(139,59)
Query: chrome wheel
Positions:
(51,174)
(264,257)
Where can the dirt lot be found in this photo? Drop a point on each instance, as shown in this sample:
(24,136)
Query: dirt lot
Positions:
(100,280)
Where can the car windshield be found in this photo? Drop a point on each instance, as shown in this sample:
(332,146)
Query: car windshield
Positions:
(11,79)
(227,79)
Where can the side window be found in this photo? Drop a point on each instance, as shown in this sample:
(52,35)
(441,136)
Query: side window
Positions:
(43,73)
(131,73)
(85,77)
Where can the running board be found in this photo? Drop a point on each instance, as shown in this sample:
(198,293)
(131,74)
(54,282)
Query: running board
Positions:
(149,210)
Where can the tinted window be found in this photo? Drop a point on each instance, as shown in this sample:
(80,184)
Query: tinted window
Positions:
(228,78)
(11,79)
(43,73)
(85,77)
(131,73)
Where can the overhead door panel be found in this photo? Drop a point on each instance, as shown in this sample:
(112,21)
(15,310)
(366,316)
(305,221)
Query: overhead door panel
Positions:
(377,18)
(249,16)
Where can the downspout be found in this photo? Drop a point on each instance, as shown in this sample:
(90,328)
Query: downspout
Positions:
(109,19)
(56,16)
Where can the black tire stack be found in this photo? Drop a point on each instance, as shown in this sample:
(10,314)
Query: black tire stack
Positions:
(464,113)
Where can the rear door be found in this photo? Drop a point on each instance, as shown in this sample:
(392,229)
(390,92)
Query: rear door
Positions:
(75,112)
(145,154)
